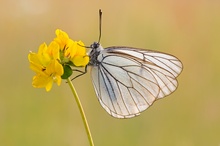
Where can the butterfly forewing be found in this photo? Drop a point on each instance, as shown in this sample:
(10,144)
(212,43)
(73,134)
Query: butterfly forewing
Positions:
(128,80)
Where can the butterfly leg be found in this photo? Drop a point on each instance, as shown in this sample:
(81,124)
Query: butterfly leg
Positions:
(81,72)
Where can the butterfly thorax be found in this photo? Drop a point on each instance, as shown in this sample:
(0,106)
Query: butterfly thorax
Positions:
(94,53)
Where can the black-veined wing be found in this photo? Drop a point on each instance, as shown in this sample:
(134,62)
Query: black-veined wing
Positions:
(128,80)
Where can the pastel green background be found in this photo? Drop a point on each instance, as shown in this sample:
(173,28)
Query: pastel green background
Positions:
(188,29)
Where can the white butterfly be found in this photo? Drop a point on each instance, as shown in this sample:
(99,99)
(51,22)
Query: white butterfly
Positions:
(128,80)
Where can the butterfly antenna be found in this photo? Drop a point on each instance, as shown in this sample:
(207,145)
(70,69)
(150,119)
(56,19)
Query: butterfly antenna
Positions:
(83,46)
(100,24)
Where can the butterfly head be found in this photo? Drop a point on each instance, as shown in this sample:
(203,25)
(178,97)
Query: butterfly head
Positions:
(96,48)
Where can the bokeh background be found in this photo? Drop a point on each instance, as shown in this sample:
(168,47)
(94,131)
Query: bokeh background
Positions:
(187,29)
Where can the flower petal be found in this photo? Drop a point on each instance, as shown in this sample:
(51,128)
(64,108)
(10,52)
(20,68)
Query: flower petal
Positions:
(62,38)
(81,50)
(80,60)
(54,50)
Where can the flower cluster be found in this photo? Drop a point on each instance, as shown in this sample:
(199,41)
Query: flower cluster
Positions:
(53,63)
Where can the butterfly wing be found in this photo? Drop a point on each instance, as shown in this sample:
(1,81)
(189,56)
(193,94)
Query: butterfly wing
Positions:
(128,80)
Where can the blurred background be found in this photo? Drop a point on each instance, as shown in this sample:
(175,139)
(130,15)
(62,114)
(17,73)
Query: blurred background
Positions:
(187,29)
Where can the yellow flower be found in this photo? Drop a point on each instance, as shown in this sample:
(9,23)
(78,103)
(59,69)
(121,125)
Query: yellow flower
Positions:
(51,74)
(46,65)
(71,50)
(65,43)
(54,62)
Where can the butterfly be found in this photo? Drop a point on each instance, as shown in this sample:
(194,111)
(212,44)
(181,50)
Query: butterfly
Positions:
(129,80)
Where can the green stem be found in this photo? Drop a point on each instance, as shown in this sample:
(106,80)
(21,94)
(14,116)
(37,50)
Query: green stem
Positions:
(81,112)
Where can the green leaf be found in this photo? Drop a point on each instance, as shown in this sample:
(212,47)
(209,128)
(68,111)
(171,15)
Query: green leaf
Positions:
(67,72)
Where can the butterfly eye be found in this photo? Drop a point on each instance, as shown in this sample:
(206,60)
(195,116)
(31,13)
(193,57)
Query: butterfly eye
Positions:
(95,45)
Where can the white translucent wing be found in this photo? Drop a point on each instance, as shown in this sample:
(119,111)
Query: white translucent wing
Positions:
(128,80)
